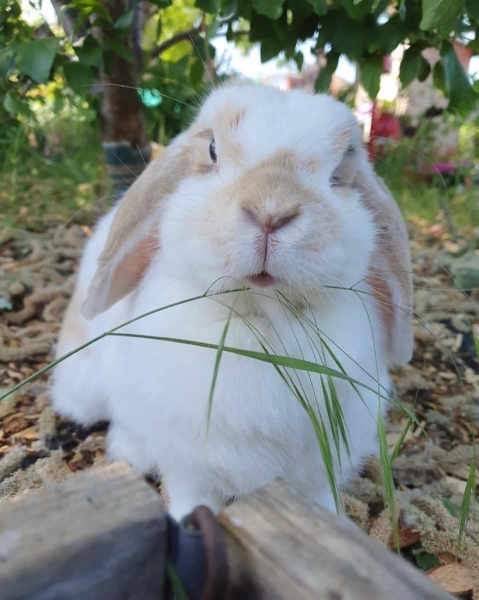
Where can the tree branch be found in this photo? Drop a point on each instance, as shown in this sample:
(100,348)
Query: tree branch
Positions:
(191,35)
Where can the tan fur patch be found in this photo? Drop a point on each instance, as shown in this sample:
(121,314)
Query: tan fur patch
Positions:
(392,257)
(226,125)
(383,296)
(205,134)
(270,190)
(311,165)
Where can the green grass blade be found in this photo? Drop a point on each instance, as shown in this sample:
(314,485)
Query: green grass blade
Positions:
(387,477)
(179,592)
(284,361)
(323,337)
(50,366)
(476,344)
(219,354)
(332,424)
(325,449)
(469,494)
(339,416)
(400,441)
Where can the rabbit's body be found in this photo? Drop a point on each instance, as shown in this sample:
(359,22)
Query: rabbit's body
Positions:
(322,243)
(158,391)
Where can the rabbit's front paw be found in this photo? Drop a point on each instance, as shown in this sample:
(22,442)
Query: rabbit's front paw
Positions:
(186,493)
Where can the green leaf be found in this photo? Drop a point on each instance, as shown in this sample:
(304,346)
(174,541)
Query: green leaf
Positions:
(196,72)
(438,76)
(379,6)
(410,66)
(299,59)
(90,53)
(270,48)
(302,11)
(79,77)
(323,81)
(92,6)
(349,37)
(370,75)
(424,70)
(119,48)
(436,13)
(357,10)
(458,87)
(320,7)
(6,61)
(125,20)
(11,104)
(472,9)
(269,8)
(385,38)
(426,561)
(36,58)
(450,508)
(209,6)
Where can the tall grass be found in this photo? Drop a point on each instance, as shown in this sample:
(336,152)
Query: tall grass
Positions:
(46,177)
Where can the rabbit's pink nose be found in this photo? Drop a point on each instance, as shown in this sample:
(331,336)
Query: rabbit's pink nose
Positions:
(270,224)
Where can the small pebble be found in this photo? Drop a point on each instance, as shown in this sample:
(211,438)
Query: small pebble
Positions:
(16,288)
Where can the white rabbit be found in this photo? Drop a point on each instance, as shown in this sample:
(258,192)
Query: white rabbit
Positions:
(268,190)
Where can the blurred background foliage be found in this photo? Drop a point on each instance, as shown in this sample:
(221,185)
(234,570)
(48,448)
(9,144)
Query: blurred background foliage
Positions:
(59,80)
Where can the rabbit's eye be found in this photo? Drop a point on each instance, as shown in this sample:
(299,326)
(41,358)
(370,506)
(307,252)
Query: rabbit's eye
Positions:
(213,156)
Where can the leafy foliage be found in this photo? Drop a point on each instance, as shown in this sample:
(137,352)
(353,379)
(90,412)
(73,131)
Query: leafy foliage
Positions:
(174,71)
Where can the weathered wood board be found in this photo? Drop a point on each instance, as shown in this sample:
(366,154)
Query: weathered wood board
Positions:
(100,535)
(283,547)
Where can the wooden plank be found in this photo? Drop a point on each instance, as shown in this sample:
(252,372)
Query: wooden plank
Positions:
(99,535)
(283,547)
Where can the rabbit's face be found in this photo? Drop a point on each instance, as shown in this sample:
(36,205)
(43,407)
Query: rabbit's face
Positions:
(268,201)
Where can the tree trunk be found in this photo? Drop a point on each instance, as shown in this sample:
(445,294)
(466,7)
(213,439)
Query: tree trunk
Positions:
(123,125)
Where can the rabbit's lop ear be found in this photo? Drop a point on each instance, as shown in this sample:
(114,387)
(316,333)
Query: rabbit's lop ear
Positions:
(132,238)
(390,270)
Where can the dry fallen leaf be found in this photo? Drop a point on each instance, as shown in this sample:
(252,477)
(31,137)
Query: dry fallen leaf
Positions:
(29,434)
(5,410)
(446,558)
(458,484)
(453,578)
(407,537)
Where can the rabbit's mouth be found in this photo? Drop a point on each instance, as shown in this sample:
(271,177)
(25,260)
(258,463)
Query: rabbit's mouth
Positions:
(262,280)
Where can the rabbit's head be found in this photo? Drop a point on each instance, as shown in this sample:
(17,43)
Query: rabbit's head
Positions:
(268,189)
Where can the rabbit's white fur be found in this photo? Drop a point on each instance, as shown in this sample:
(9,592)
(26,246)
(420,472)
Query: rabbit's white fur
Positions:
(277,154)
